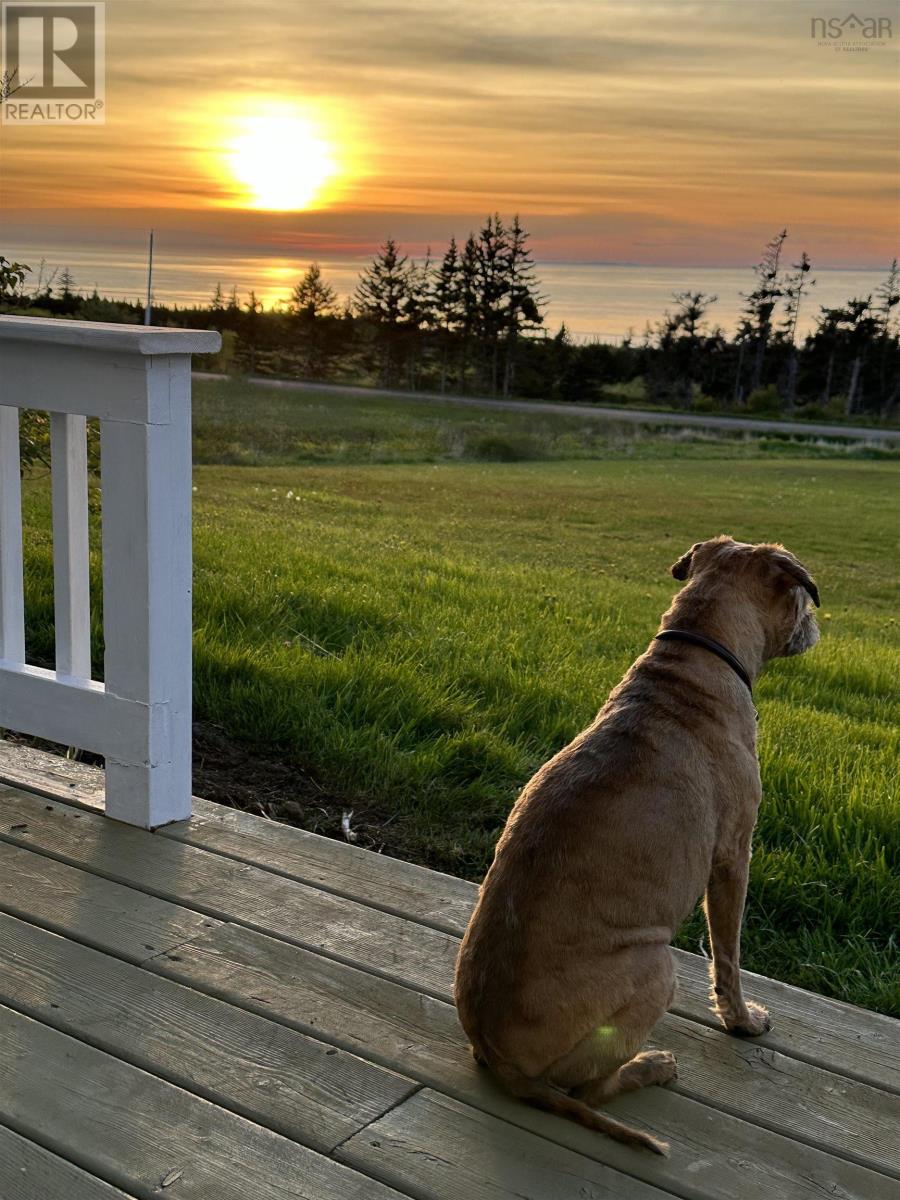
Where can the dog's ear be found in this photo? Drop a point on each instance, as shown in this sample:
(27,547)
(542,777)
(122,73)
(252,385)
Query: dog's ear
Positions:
(796,573)
(682,568)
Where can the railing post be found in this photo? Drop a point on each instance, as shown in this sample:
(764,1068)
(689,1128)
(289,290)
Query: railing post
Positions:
(146,499)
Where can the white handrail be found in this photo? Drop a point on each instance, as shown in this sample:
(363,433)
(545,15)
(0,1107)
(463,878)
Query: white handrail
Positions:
(137,381)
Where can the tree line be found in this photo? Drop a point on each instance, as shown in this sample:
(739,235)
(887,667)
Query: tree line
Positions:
(848,364)
(471,321)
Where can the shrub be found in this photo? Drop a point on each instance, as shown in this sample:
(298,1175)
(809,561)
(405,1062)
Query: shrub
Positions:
(765,401)
(494,448)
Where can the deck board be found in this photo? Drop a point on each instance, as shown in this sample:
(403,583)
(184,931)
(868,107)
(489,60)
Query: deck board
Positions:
(134,1131)
(260,992)
(833,1035)
(434,1147)
(840,1037)
(431,897)
(227,890)
(124,921)
(268,1073)
(29,1172)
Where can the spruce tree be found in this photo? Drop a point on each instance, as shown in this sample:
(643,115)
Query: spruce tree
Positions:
(681,337)
(491,294)
(523,303)
(469,305)
(381,296)
(756,322)
(417,314)
(888,294)
(312,297)
(794,287)
(447,305)
(384,286)
(66,284)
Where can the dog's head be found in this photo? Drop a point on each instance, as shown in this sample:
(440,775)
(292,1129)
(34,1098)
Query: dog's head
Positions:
(770,577)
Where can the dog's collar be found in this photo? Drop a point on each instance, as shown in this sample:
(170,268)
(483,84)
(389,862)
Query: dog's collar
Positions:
(698,639)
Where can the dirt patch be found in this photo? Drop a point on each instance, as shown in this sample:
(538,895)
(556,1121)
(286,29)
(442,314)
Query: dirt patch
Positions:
(234,774)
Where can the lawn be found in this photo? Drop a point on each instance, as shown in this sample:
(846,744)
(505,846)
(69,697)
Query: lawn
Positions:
(245,425)
(413,637)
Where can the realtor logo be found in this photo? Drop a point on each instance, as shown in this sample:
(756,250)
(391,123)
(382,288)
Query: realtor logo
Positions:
(851,32)
(54,59)
(854,26)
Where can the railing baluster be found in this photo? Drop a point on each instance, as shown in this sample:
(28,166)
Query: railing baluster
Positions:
(71,554)
(12,603)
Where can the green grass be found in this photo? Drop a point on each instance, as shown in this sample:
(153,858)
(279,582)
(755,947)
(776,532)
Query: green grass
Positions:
(244,425)
(416,637)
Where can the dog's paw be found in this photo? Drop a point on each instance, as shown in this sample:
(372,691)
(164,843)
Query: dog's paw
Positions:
(653,1066)
(756,1021)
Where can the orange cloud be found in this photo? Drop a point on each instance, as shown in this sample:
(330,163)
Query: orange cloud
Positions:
(671,131)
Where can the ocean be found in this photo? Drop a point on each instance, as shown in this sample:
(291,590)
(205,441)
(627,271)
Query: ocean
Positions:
(597,301)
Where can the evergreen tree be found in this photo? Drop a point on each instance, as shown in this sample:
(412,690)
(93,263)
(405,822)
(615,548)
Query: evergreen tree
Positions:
(381,296)
(66,284)
(250,327)
(523,303)
(845,335)
(311,301)
(469,303)
(491,294)
(383,287)
(447,305)
(562,359)
(681,338)
(313,297)
(417,307)
(794,286)
(888,294)
(756,323)
(418,314)
(217,304)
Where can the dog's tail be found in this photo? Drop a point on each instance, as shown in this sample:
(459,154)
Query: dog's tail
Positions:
(552,1099)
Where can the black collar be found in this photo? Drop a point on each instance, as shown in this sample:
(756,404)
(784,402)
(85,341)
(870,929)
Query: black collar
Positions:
(698,639)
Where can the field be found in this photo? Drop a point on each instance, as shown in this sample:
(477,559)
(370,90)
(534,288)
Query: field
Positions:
(411,607)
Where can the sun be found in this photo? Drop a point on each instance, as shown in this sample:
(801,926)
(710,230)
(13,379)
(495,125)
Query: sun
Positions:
(282,162)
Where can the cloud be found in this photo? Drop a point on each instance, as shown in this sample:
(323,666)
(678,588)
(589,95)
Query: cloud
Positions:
(694,116)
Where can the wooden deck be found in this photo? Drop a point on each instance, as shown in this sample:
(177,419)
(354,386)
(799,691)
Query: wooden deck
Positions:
(231,1009)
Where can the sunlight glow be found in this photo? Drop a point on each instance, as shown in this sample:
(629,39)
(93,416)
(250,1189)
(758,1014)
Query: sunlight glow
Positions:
(281,161)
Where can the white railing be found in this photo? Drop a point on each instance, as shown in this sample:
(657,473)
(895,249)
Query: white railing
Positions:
(137,381)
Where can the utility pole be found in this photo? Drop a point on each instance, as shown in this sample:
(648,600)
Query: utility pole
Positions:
(147,306)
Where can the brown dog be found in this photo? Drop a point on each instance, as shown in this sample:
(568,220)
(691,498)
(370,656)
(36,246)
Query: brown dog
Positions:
(565,966)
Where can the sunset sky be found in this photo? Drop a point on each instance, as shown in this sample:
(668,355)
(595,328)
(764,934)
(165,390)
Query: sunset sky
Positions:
(667,133)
